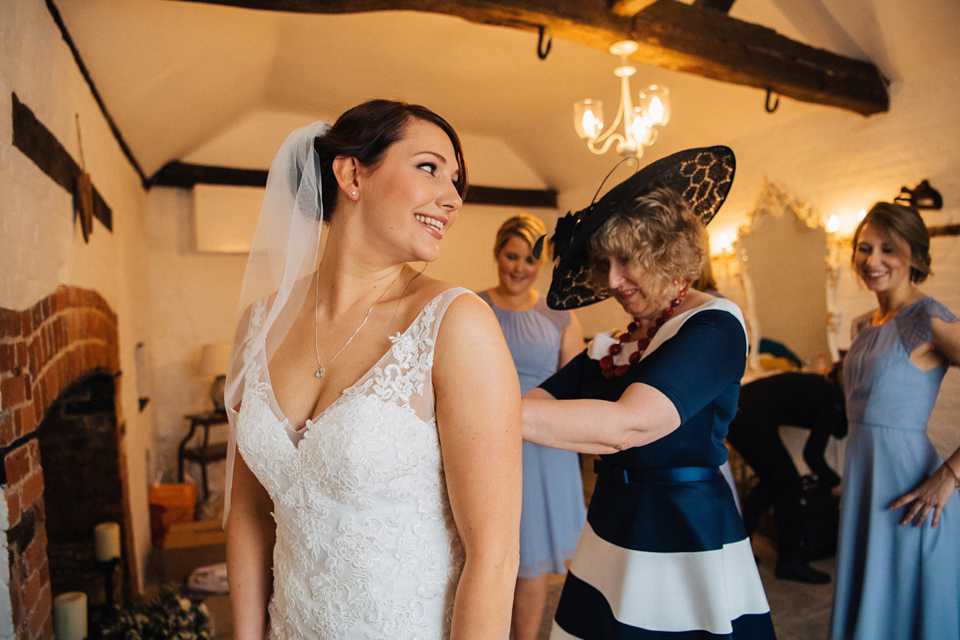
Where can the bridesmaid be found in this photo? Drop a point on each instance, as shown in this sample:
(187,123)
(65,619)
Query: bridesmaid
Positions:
(541,340)
(898,558)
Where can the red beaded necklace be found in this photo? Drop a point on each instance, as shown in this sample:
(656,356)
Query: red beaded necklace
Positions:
(608,369)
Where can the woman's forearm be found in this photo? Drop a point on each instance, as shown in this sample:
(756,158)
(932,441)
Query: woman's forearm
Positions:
(642,415)
(574,425)
(485,597)
(251,535)
(248,569)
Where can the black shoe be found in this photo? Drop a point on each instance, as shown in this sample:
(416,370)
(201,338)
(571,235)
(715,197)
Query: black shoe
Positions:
(799,571)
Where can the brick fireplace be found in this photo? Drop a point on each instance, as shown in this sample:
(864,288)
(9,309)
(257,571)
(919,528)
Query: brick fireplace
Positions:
(59,392)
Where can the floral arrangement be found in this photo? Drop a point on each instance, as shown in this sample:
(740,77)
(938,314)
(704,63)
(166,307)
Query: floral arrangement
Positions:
(172,614)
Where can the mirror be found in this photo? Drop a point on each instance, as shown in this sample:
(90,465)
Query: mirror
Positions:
(782,255)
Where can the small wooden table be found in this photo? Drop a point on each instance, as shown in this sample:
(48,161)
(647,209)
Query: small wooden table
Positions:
(205,452)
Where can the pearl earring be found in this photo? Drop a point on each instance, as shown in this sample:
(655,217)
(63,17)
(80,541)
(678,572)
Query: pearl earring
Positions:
(353,193)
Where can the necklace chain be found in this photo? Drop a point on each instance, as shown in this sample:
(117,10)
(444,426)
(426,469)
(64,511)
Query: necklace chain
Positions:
(880,318)
(608,368)
(316,326)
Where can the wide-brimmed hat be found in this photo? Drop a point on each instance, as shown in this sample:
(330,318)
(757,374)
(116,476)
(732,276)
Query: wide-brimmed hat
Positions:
(701,176)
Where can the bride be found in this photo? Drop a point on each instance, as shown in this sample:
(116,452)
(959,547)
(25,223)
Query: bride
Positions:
(366,400)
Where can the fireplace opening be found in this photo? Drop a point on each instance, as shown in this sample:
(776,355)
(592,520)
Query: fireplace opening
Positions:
(80,455)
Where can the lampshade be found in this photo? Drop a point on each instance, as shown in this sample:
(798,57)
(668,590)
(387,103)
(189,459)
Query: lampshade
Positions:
(588,118)
(213,359)
(655,103)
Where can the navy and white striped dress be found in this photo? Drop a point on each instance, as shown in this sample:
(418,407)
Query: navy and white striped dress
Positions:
(664,553)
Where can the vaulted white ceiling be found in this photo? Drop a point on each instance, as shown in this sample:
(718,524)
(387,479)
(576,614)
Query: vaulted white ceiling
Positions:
(222,86)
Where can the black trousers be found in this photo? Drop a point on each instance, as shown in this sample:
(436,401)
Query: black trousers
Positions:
(780,484)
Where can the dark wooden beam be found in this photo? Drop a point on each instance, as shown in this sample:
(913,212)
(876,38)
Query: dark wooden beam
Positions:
(39,144)
(716,5)
(742,53)
(629,7)
(185,176)
(945,230)
(502,197)
(672,35)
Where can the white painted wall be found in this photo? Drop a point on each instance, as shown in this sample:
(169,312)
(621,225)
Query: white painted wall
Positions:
(41,247)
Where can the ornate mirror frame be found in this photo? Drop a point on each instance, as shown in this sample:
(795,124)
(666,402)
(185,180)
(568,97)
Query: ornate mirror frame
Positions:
(787,278)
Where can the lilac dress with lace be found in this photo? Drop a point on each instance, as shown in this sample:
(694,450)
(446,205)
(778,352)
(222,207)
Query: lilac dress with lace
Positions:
(893,581)
(366,544)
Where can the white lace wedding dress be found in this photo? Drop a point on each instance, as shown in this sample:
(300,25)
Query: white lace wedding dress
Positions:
(366,544)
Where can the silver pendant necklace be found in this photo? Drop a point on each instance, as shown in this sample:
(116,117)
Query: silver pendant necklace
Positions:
(316,326)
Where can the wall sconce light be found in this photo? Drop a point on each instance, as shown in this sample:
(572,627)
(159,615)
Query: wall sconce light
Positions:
(722,255)
(837,245)
(833,224)
(923,196)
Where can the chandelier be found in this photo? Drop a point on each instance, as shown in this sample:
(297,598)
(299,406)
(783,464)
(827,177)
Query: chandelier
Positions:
(640,121)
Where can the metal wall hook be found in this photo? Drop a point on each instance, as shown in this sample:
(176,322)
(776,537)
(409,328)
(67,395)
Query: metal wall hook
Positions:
(543,52)
(776,103)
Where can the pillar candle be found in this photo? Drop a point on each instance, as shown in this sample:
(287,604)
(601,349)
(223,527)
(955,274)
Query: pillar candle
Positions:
(70,616)
(106,541)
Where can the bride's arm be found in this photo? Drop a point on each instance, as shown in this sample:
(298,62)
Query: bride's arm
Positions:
(478,417)
(251,533)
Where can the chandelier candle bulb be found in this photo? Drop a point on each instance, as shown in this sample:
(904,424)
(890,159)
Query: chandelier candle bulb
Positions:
(106,541)
(655,102)
(588,118)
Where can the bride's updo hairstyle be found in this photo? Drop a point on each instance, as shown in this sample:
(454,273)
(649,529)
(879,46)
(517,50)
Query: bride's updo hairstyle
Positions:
(365,132)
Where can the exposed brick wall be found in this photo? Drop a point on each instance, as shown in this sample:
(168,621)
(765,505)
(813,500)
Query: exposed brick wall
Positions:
(65,336)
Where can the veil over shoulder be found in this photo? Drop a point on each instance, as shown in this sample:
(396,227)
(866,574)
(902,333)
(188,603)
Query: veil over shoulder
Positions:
(283,255)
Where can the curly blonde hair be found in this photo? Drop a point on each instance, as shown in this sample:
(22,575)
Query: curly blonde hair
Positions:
(657,232)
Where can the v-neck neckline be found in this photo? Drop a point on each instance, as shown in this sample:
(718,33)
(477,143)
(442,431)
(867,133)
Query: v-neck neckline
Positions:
(299,432)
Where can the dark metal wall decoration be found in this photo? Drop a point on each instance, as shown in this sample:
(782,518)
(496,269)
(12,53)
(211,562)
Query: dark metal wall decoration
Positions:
(923,196)
(40,145)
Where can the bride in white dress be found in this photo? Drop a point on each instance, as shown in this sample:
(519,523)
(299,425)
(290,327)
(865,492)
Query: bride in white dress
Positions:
(375,410)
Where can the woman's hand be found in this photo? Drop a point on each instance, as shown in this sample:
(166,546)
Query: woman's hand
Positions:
(933,493)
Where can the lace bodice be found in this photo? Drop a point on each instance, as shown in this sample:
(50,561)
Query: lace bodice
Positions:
(366,544)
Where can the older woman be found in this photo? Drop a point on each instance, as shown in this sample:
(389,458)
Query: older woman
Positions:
(541,340)
(664,552)
(897,577)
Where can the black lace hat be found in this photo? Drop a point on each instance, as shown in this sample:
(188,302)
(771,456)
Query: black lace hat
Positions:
(701,176)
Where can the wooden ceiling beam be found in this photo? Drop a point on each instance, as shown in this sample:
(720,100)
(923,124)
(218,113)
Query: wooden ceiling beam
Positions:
(716,5)
(629,7)
(698,39)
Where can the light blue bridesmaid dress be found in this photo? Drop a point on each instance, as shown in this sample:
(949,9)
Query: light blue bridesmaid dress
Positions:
(894,582)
